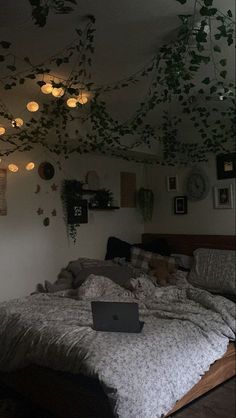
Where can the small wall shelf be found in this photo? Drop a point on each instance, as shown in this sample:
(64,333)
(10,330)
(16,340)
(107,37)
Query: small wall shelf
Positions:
(108,208)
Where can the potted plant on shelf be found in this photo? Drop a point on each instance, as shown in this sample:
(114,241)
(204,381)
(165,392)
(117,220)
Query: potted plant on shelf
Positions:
(103,199)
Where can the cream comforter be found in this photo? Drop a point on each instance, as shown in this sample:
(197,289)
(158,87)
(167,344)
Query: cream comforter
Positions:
(185,331)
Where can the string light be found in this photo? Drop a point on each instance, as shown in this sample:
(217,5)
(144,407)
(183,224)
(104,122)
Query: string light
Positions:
(2,130)
(30,166)
(13,168)
(47,88)
(17,123)
(71,102)
(32,106)
(82,99)
(58,92)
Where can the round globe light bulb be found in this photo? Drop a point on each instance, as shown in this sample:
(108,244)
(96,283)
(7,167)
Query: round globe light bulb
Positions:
(13,168)
(2,130)
(71,102)
(47,88)
(58,92)
(30,166)
(82,99)
(32,106)
(17,123)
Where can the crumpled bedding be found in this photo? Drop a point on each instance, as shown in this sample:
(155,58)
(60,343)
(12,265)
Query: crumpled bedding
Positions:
(186,329)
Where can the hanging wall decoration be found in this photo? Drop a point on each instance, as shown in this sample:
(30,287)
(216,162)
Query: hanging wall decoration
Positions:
(187,82)
(3,185)
(75,209)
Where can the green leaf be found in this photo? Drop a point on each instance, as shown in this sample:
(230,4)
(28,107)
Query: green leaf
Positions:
(205,11)
(223,62)
(223,74)
(229,13)
(208,2)
(206,80)
(217,48)
(182,1)
(11,67)
(5,44)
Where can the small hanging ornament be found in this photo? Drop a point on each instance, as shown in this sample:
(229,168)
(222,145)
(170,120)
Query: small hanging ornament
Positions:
(54,212)
(46,221)
(40,211)
(54,187)
(38,188)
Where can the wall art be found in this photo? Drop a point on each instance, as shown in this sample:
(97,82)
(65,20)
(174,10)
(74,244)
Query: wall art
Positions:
(226,166)
(223,197)
(180,205)
(172,183)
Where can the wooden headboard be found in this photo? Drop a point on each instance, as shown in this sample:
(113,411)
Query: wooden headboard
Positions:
(186,244)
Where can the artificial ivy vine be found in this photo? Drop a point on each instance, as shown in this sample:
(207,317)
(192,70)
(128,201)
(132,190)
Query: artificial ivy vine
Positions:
(177,92)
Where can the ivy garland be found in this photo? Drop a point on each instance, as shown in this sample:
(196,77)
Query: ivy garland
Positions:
(175,87)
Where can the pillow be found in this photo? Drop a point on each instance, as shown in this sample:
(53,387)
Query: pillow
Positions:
(141,259)
(119,275)
(76,266)
(158,246)
(117,248)
(183,262)
(214,270)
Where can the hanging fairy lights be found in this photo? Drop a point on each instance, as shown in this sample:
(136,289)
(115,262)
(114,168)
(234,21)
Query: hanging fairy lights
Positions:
(17,122)
(2,130)
(32,106)
(47,88)
(13,168)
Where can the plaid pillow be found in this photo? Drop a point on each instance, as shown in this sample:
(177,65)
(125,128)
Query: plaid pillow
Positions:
(141,259)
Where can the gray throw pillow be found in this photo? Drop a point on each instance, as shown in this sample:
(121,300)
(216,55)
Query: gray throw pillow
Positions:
(214,270)
(119,275)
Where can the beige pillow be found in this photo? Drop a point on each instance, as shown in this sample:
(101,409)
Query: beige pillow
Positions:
(214,270)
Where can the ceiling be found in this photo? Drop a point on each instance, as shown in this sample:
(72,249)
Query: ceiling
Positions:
(128,33)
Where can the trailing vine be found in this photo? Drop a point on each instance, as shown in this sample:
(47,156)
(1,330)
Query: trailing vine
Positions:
(177,93)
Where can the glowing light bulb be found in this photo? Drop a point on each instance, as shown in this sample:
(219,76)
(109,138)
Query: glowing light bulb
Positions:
(2,130)
(71,102)
(13,168)
(32,106)
(221,97)
(47,88)
(58,92)
(82,99)
(17,123)
(30,166)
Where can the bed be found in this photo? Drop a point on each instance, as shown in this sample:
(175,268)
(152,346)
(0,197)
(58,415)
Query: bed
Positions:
(72,395)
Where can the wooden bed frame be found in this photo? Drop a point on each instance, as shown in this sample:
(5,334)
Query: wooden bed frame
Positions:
(72,396)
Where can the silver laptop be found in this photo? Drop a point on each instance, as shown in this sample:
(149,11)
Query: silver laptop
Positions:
(116,317)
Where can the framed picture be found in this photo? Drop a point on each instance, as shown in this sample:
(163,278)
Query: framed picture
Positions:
(226,166)
(180,205)
(77,212)
(172,183)
(223,196)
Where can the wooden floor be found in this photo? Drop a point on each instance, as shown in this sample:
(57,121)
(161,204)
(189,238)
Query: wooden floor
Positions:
(219,403)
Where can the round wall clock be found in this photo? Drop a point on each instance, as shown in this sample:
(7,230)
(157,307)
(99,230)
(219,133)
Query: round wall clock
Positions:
(197,185)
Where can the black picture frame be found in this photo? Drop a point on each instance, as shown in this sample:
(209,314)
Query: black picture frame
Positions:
(77,212)
(180,205)
(226,166)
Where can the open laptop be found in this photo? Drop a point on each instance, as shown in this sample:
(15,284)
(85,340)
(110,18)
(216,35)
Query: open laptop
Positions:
(116,317)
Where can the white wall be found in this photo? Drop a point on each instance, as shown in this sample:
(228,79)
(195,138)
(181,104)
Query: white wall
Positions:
(31,252)
(202,217)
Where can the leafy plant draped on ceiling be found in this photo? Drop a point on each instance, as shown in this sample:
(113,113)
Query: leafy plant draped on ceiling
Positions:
(176,90)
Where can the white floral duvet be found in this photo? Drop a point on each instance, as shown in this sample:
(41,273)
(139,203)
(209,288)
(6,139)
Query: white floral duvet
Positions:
(185,331)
